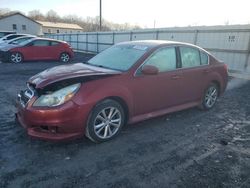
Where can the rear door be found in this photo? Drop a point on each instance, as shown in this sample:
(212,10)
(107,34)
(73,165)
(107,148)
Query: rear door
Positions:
(56,48)
(195,73)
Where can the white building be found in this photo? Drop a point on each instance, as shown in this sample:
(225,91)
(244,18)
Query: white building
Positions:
(20,24)
(57,27)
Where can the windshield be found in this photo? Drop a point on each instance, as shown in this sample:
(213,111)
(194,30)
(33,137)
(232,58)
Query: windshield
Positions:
(119,57)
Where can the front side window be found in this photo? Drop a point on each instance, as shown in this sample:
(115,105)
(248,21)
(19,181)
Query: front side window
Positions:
(164,59)
(41,43)
(190,57)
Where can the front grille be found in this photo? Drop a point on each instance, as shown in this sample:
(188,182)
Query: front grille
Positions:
(23,97)
(26,95)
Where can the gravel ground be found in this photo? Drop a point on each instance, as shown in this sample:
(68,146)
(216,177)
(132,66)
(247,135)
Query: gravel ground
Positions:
(191,148)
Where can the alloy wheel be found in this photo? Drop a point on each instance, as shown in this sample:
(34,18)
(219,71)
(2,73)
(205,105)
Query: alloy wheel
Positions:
(16,57)
(107,122)
(65,57)
(211,96)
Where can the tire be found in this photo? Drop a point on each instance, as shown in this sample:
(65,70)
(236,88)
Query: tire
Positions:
(210,97)
(105,121)
(64,57)
(16,57)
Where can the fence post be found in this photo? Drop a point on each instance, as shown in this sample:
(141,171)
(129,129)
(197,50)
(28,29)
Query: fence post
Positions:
(131,35)
(196,36)
(248,54)
(87,42)
(113,40)
(157,34)
(70,41)
(77,41)
(97,43)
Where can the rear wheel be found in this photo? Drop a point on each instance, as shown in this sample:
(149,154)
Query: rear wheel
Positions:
(64,57)
(210,96)
(105,121)
(16,57)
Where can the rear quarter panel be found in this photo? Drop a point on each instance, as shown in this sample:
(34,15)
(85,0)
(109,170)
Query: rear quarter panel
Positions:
(219,73)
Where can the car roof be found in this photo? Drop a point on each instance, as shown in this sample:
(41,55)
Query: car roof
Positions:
(16,34)
(40,38)
(155,43)
(22,37)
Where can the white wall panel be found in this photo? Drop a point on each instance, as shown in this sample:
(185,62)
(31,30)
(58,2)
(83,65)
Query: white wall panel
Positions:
(180,37)
(121,37)
(224,40)
(105,38)
(144,36)
(92,37)
(235,61)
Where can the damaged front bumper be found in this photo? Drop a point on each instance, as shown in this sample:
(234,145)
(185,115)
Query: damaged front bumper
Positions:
(63,122)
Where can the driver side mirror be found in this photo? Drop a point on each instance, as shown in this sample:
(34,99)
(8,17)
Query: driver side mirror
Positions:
(150,70)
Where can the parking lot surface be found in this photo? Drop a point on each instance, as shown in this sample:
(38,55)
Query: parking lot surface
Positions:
(191,148)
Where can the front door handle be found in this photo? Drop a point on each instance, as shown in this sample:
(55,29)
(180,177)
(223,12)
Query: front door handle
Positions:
(207,71)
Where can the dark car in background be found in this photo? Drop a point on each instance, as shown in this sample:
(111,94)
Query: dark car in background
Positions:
(127,83)
(38,49)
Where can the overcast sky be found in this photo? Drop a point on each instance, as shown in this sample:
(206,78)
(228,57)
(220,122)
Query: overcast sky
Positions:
(165,13)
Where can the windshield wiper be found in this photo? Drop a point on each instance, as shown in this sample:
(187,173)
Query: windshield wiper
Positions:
(87,63)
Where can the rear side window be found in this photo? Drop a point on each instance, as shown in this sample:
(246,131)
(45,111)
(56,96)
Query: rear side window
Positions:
(190,57)
(204,58)
(164,59)
(54,43)
(41,43)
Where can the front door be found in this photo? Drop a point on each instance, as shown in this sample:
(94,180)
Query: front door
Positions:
(160,91)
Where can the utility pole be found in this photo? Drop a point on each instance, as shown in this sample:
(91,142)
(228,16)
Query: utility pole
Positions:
(100,15)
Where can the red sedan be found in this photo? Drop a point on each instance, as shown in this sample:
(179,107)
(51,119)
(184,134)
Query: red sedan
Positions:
(38,49)
(126,83)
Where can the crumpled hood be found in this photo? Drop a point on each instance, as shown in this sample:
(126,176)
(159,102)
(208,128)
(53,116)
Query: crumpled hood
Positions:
(64,72)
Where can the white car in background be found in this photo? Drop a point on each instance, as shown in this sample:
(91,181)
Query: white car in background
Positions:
(9,37)
(15,41)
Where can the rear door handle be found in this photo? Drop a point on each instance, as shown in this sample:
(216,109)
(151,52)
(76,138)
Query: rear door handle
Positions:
(175,77)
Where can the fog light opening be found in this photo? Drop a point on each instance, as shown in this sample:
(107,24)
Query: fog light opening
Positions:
(53,129)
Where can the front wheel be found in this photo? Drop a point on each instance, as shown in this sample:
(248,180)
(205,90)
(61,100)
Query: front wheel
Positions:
(105,121)
(210,96)
(16,57)
(64,57)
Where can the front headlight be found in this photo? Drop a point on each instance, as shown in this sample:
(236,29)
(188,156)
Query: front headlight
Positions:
(58,97)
